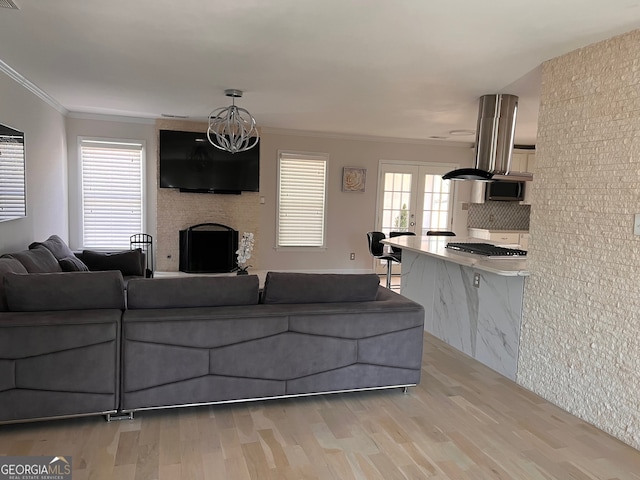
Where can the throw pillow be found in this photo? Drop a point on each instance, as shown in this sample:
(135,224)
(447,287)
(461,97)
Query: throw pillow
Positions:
(37,260)
(282,287)
(55,245)
(129,262)
(72,264)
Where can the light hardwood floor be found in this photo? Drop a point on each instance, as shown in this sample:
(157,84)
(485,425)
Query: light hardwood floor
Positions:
(462,422)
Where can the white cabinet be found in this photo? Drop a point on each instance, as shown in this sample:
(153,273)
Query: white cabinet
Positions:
(519,162)
(499,237)
(479,233)
(531,166)
(523,160)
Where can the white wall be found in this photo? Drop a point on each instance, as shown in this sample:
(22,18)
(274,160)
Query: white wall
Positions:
(349,215)
(46,172)
(53,184)
(580,344)
(115,128)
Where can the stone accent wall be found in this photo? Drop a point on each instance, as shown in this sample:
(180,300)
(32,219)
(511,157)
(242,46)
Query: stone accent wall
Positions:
(177,211)
(580,338)
(499,215)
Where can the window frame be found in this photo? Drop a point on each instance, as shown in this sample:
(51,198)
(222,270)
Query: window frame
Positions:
(106,141)
(309,156)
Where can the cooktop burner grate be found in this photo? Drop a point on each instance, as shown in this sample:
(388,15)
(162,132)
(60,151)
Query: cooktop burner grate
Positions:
(486,249)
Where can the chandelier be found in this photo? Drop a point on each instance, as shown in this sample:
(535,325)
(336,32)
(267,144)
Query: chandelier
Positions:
(231,128)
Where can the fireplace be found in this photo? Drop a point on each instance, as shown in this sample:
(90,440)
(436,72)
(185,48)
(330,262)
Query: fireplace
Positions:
(208,248)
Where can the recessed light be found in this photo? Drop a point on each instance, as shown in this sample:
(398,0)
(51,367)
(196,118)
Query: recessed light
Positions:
(462,132)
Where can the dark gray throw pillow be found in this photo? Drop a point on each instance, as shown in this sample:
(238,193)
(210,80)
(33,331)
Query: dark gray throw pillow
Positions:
(282,287)
(72,264)
(37,260)
(129,262)
(56,246)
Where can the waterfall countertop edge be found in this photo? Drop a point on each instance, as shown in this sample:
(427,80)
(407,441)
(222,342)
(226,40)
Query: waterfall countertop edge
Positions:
(436,247)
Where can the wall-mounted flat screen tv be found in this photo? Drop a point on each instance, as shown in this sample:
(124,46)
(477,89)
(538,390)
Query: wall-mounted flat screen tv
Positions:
(190,163)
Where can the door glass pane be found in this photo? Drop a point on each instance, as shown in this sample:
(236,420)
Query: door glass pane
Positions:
(435,215)
(397,202)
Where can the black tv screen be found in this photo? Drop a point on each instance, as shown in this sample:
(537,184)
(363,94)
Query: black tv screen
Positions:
(189,162)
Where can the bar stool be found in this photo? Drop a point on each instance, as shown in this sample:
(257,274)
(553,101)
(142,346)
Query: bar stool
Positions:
(376,249)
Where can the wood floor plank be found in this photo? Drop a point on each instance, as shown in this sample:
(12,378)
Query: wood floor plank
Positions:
(463,421)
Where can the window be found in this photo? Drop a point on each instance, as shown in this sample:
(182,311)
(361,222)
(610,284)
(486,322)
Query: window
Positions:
(12,174)
(112,192)
(301,199)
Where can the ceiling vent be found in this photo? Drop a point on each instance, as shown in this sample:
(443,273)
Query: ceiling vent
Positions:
(8,4)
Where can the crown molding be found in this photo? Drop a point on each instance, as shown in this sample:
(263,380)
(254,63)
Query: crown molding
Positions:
(32,87)
(365,138)
(111,118)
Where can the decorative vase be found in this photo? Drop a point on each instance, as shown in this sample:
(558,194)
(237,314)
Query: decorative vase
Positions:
(242,272)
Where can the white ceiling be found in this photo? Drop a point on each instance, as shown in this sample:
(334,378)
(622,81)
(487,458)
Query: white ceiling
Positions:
(392,68)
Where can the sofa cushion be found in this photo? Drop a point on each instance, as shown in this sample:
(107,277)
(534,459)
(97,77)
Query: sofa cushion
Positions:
(181,292)
(37,292)
(8,265)
(55,245)
(129,262)
(281,287)
(72,264)
(37,260)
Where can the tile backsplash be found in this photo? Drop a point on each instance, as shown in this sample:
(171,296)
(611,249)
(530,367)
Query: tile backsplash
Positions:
(499,216)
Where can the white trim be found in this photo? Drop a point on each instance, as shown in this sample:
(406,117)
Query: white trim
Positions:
(32,87)
(112,118)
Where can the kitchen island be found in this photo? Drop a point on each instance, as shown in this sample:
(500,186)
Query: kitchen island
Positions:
(472,302)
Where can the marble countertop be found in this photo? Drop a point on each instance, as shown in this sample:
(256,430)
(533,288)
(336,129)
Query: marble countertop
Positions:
(435,247)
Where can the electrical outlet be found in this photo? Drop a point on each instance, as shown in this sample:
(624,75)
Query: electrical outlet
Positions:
(476,280)
(636,224)
(352,256)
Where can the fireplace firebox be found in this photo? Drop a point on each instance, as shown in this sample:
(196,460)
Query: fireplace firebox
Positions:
(208,248)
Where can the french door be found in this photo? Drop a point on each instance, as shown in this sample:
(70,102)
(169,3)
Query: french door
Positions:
(412,197)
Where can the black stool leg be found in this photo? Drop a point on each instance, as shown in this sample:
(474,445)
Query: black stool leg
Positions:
(389,263)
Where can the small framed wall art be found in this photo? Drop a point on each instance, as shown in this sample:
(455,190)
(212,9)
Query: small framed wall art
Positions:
(354,179)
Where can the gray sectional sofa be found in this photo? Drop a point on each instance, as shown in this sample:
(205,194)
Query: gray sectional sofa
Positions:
(69,346)
(60,345)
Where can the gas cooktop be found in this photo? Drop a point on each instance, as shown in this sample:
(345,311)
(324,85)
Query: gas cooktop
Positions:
(487,250)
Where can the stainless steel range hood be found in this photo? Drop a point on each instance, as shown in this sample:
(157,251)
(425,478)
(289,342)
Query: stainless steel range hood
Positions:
(495,133)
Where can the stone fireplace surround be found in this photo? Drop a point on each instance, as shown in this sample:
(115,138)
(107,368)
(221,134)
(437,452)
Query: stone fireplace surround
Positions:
(179,210)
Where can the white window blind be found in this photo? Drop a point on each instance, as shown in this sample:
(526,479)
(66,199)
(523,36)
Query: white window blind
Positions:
(12,175)
(301,200)
(112,193)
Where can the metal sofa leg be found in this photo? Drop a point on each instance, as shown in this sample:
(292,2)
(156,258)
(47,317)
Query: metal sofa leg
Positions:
(118,416)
